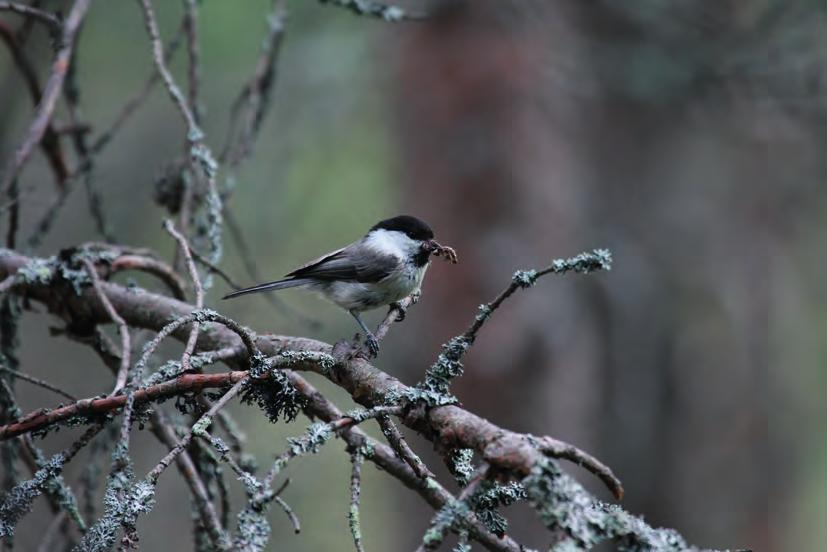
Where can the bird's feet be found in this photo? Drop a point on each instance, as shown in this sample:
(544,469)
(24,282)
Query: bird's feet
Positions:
(372,345)
(401,311)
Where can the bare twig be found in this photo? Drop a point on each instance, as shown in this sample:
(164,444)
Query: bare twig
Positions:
(250,267)
(42,16)
(51,93)
(215,269)
(199,292)
(157,268)
(200,154)
(193,52)
(166,434)
(80,141)
(400,446)
(46,543)
(123,329)
(50,144)
(39,382)
(291,515)
(160,63)
(255,93)
(132,105)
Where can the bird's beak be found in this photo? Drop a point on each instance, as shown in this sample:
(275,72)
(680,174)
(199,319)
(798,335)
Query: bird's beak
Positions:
(431,246)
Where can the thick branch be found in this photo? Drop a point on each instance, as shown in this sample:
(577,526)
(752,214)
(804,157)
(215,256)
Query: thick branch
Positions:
(450,426)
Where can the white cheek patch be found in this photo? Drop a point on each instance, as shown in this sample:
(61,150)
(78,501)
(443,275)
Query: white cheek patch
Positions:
(392,242)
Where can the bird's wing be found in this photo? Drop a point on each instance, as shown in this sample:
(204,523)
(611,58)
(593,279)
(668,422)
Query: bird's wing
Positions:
(353,263)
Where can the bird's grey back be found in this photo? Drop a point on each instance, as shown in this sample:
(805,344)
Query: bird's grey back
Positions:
(355,263)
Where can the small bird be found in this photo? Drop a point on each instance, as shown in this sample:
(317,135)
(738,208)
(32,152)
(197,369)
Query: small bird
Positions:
(381,268)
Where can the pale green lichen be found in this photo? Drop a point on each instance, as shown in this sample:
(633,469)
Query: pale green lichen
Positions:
(460,465)
(391,14)
(489,497)
(252,531)
(451,515)
(565,507)
(598,259)
(19,501)
(525,278)
(200,427)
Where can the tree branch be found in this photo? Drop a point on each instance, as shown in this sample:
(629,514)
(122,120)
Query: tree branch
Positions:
(48,102)
(450,426)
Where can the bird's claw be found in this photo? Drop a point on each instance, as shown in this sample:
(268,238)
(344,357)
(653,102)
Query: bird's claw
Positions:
(401,311)
(372,345)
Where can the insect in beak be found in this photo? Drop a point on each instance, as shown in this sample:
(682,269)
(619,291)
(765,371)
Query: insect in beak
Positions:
(438,250)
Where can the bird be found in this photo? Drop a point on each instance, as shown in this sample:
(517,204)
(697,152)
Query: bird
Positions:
(381,268)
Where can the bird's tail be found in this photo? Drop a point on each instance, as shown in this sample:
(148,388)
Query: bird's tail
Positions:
(269,286)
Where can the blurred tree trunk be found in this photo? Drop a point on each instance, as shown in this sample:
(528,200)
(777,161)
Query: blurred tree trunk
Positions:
(541,130)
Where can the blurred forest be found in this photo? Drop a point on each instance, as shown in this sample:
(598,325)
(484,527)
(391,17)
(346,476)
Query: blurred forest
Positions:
(685,136)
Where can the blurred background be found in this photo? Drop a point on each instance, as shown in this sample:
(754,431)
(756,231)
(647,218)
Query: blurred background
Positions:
(687,137)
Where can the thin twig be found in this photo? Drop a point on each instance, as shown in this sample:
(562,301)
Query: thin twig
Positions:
(157,268)
(342,423)
(250,267)
(215,269)
(80,141)
(559,449)
(188,383)
(160,63)
(51,93)
(200,154)
(50,144)
(199,292)
(156,472)
(255,93)
(291,515)
(49,19)
(584,263)
(384,457)
(400,446)
(194,316)
(51,530)
(123,329)
(132,105)
(39,382)
(356,461)
(166,434)
(193,52)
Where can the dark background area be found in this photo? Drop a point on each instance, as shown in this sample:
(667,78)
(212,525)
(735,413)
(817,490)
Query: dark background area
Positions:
(687,137)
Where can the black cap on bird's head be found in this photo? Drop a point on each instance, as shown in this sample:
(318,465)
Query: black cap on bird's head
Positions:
(413,227)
